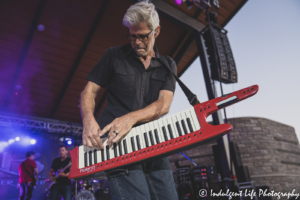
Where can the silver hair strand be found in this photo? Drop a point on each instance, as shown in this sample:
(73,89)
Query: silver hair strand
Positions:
(143,11)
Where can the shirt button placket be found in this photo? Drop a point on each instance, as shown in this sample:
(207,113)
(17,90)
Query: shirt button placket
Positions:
(142,88)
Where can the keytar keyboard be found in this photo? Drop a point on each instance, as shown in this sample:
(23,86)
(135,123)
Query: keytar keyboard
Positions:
(156,139)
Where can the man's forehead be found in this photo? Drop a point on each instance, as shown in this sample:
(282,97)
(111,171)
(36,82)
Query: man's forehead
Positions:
(141,28)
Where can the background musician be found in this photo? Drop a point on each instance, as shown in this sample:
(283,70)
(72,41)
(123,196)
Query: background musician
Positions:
(140,90)
(62,184)
(27,169)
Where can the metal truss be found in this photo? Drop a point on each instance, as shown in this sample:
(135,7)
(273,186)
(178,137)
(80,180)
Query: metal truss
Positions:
(41,124)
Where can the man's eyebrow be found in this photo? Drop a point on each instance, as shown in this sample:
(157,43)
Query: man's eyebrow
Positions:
(139,34)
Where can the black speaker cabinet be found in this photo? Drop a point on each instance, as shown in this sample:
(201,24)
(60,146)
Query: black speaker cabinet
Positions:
(242,174)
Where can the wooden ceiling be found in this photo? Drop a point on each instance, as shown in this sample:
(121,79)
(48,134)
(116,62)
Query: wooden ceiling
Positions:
(43,71)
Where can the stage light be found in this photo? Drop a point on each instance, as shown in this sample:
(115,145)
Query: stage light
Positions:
(17,138)
(67,140)
(32,141)
(41,27)
(11,141)
(178,2)
(3,145)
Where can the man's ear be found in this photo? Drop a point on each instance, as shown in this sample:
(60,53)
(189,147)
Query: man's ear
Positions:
(157,31)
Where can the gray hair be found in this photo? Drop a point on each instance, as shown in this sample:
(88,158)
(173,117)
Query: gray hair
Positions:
(143,11)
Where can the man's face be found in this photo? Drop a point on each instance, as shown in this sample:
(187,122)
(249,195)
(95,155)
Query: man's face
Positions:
(32,157)
(142,49)
(63,152)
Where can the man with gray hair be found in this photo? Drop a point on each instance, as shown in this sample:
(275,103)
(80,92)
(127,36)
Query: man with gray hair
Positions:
(140,90)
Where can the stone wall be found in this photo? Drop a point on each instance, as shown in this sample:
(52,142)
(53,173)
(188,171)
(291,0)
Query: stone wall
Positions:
(270,149)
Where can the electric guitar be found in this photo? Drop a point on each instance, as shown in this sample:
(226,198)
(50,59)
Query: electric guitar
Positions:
(57,175)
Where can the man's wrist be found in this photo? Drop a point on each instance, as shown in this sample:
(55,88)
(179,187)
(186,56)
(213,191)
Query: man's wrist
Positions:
(88,118)
(134,117)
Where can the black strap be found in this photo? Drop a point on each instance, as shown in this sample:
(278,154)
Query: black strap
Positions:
(31,176)
(191,96)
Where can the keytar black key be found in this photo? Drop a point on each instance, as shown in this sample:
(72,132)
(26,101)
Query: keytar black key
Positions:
(107,152)
(102,155)
(90,158)
(115,150)
(132,143)
(85,159)
(151,138)
(178,129)
(120,148)
(189,124)
(125,146)
(170,131)
(138,142)
(165,133)
(146,139)
(95,156)
(184,127)
(156,136)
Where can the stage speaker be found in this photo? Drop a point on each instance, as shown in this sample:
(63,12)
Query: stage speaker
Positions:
(217,158)
(221,60)
(242,174)
(235,155)
(221,160)
(184,189)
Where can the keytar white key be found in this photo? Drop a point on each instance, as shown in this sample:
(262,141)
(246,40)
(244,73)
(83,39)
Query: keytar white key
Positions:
(81,156)
(158,129)
(151,138)
(172,119)
(195,118)
(141,135)
(165,124)
(178,117)
(188,114)
(161,125)
(133,137)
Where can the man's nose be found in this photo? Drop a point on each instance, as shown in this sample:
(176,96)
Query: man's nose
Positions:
(137,41)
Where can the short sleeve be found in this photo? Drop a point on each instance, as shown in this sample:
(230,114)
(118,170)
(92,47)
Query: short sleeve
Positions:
(170,83)
(103,70)
(33,164)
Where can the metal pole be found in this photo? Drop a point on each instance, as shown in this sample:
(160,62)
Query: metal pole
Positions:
(211,93)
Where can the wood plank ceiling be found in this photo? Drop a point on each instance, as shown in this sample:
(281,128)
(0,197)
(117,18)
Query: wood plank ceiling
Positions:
(43,72)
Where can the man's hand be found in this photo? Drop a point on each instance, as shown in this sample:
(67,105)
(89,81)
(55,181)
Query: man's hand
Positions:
(90,134)
(121,126)
(51,178)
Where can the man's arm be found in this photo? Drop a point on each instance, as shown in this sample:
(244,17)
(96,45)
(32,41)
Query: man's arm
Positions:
(50,174)
(63,174)
(122,125)
(36,173)
(91,129)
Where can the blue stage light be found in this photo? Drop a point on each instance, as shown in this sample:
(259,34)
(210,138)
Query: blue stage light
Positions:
(11,141)
(69,142)
(32,141)
(17,138)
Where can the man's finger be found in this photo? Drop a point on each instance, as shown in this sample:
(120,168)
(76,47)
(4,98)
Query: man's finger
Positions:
(110,137)
(84,141)
(88,143)
(118,137)
(105,129)
(99,142)
(94,142)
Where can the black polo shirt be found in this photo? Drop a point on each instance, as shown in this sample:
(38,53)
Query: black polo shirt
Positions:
(57,164)
(130,86)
